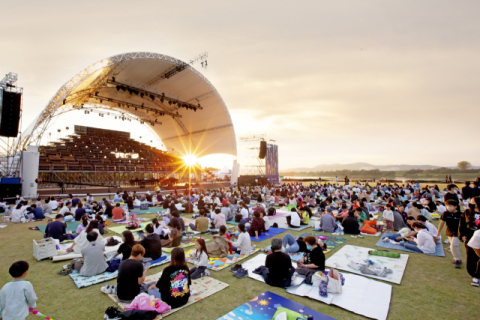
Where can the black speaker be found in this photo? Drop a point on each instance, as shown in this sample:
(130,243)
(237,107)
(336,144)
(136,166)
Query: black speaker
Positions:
(10,114)
(263,149)
(9,191)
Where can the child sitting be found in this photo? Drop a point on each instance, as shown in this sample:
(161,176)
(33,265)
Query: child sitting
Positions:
(17,296)
(200,260)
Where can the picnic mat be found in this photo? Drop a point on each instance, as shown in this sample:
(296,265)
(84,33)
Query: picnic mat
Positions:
(347,234)
(331,241)
(82,282)
(149,210)
(272,232)
(71,226)
(217,264)
(200,289)
(347,254)
(359,295)
(184,243)
(265,305)
(120,229)
(387,245)
(73,255)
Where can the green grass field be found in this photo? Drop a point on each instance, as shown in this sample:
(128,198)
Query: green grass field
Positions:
(431,287)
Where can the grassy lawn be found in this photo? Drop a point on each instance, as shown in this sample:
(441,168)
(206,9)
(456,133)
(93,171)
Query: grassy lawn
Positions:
(431,287)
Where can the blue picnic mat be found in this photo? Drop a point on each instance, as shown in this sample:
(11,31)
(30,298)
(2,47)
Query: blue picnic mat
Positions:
(82,282)
(387,245)
(272,232)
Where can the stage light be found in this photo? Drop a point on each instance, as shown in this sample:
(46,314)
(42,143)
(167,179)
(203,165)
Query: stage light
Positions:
(152,97)
(118,88)
(142,94)
(123,88)
(96,94)
(155,120)
(64,101)
(170,102)
(101,100)
(142,105)
(136,109)
(195,109)
(113,79)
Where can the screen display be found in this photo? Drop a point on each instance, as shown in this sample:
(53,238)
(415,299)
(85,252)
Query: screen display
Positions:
(271,163)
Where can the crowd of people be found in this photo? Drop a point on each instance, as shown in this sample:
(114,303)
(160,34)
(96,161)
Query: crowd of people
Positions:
(405,210)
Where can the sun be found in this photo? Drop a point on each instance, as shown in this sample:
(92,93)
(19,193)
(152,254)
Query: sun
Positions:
(263,302)
(190,160)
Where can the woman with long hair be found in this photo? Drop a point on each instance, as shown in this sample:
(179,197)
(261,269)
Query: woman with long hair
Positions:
(83,224)
(125,248)
(175,231)
(81,241)
(200,260)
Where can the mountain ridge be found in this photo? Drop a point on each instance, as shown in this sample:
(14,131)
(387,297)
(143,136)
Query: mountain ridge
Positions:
(366,166)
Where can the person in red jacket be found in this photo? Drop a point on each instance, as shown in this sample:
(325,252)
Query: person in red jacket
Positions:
(257,226)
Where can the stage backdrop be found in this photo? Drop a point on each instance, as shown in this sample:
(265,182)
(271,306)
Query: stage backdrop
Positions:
(271,163)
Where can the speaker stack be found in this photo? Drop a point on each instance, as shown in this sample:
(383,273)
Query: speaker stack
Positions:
(263,149)
(10,113)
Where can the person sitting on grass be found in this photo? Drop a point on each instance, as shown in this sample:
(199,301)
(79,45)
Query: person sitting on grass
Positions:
(423,243)
(84,221)
(131,275)
(304,215)
(293,219)
(125,249)
(200,260)
(313,259)
(279,269)
(173,287)
(37,212)
(80,212)
(81,241)
(257,226)
(93,261)
(350,224)
(402,233)
(152,243)
(201,223)
(18,296)
(219,219)
(118,214)
(175,231)
(57,230)
(327,223)
(242,245)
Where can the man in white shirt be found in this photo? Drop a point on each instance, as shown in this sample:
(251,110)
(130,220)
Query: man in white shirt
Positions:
(293,219)
(54,204)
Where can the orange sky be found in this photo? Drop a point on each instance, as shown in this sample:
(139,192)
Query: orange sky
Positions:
(385,82)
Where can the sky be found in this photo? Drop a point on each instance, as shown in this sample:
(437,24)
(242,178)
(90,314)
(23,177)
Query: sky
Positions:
(383,82)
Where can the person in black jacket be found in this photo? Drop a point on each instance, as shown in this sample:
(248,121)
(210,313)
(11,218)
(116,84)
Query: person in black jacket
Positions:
(151,243)
(467,191)
(313,259)
(469,223)
(350,224)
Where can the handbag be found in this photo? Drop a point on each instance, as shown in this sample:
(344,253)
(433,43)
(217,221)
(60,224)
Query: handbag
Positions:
(335,281)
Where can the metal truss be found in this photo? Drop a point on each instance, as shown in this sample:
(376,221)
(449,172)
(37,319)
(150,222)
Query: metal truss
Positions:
(107,67)
(250,163)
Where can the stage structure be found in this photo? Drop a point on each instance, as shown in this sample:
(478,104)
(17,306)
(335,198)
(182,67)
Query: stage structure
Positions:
(250,162)
(165,94)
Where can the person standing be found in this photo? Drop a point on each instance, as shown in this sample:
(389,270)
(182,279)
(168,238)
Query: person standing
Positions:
(451,218)
(469,224)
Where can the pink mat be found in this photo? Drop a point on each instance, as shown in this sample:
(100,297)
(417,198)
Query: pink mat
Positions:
(277,215)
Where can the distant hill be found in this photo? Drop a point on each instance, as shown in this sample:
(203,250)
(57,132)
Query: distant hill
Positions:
(365,166)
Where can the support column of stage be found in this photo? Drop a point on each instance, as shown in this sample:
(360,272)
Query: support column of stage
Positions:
(30,162)
(235,171)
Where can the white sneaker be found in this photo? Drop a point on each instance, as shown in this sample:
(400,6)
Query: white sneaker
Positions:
(385,239)
(207,273)
(107,289)
(446,241)
(474,282)
(394,242)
